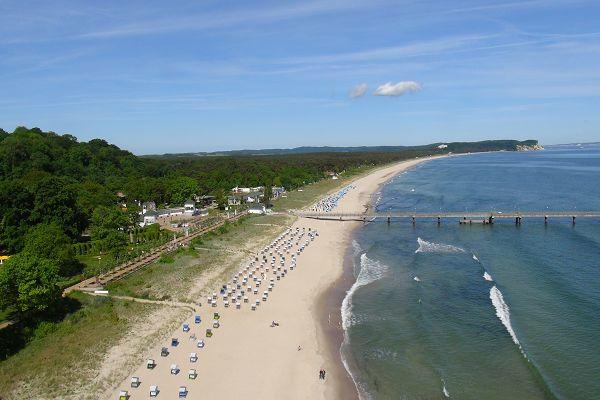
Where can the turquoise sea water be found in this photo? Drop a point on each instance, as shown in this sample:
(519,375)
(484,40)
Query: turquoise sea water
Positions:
(480,312)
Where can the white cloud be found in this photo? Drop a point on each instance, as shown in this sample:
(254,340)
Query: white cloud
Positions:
(397,89)
(359,91)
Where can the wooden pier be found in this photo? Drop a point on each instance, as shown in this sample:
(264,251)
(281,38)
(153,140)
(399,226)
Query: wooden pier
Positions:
(468,218)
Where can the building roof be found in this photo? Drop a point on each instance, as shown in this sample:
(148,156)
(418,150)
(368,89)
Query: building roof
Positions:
(190,202)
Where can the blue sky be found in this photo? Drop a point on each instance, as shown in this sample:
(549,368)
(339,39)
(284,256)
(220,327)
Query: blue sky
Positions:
(172,76)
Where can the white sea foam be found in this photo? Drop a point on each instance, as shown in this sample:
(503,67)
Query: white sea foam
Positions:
(416,278)
(431,247)
(487,276)
(503,313)
(444,390)
(475,258)
(370,271)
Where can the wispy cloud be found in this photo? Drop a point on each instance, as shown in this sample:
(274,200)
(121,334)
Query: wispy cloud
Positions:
(359,91)
(516,5)
(209,21)
(397,89)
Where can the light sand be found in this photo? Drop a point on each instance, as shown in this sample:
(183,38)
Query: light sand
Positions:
(246,358)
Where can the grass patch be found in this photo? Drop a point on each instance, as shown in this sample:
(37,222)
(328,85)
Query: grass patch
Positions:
(220,251)
(61,354)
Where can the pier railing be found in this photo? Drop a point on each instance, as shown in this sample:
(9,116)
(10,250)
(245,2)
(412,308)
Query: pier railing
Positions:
(470,216)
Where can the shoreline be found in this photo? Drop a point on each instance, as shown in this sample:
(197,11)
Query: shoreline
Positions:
(331,300)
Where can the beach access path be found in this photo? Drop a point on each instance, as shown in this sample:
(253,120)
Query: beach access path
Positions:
(246,358)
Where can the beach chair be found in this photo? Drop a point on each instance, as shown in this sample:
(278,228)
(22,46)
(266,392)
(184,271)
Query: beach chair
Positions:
(186,328)
(150,364)
(164,352)
(123,395)
(216,316)
(192,374)
(238,306)
(183,392)
(135,382)
(216,324)
(200,344)
(209,333)
(154,391)
(174,369)
(193,357)
(197,319)
(174,342)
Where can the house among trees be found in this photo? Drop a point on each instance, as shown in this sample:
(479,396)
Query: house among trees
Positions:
(277,191)
(253,197)
(206,200)
(148,206)
(148,218)
(234,201)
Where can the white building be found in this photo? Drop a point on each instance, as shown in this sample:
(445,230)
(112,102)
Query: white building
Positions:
(189,207)
(257,209)
(148,218)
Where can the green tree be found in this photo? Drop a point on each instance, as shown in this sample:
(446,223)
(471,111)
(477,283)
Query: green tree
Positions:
(109,225)
(30,284)
(50,242)
(181,189)
(221,198)
(268,195)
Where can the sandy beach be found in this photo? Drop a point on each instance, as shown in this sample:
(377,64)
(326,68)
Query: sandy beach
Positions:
(246,357)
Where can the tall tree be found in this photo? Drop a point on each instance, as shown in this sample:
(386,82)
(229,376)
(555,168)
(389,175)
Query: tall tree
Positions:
(268,195)
(30,284)
(109,225)
(50,242)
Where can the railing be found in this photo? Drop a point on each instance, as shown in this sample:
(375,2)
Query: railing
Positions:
(131,266)
(450,214)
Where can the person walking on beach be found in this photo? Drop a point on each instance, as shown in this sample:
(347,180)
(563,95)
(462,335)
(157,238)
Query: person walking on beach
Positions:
(322,374)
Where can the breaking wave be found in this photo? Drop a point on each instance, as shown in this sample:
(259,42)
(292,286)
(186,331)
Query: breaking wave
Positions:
(370,271)
(416,278)
(487,276)
(444,390)
(503,313)
(475,258)
(431,247)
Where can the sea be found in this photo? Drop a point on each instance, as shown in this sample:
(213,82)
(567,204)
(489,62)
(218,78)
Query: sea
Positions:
(500,311)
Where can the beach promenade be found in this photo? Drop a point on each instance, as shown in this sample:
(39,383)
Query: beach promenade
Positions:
(248,358)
